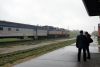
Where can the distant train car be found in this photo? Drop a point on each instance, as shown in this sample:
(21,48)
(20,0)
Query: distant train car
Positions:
(51,32)
(63,33)
(41,32)
(66,33)
(59,32)
(54,32)
(99,30)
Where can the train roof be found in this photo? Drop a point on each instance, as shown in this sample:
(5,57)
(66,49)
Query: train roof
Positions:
(29,26)
(16,24)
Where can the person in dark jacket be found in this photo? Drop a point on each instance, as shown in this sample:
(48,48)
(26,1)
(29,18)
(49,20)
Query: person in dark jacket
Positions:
(81,44)
(87,49)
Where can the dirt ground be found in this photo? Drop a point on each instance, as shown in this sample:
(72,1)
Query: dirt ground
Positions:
(16,48)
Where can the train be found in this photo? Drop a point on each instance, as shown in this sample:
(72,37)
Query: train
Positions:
(17,30)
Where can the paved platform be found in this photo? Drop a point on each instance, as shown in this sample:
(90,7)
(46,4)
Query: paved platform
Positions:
(64,57)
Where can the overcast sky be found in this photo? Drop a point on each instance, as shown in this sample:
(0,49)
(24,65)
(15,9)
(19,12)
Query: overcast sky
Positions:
(57,13)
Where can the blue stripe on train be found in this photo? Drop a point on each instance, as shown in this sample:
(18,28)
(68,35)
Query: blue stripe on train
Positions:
(20,27)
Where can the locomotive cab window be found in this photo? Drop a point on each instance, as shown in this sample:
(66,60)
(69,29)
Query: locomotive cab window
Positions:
(17,29)
(1,28)
(9,29)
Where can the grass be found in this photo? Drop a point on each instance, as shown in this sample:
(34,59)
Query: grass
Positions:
(12,39)
(21,54)
(30,42)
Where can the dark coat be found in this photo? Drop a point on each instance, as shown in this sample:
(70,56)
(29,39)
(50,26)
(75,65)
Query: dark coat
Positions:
(81,41)
(88,39)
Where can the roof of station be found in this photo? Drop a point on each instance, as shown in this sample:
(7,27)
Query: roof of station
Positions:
(92,7)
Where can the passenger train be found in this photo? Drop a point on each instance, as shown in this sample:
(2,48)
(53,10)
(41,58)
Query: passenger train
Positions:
(18,30)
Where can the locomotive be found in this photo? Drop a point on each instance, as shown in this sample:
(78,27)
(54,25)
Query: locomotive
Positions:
(18,30)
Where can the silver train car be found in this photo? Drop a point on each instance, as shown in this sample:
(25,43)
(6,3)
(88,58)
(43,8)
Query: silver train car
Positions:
(18,30)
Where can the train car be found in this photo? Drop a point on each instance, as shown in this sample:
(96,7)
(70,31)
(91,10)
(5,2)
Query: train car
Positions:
(59,34)
(41,32)
(51,31)
(11,29)
(63,33)
(99,30)
(67,33)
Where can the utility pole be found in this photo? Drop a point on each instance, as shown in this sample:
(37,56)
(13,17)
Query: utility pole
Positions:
(94,31)
(68,27)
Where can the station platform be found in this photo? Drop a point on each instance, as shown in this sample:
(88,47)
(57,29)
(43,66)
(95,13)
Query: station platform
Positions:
(64,57)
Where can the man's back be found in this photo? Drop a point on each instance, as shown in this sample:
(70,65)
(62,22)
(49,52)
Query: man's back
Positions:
(81,41)
(81,44)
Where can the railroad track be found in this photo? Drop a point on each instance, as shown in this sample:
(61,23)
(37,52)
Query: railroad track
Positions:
(28,40)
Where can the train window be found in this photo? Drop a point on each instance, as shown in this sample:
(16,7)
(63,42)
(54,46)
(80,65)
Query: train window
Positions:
(1,28)
(9,29)
(17,29)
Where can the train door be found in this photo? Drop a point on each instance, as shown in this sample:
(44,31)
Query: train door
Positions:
(35,33)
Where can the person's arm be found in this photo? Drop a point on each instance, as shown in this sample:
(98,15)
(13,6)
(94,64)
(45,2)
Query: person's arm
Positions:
(77,41)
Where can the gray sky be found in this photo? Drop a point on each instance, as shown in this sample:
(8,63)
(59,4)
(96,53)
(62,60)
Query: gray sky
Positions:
(58,13)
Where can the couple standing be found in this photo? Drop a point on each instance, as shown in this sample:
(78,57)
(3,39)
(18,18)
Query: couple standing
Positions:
(82,42)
